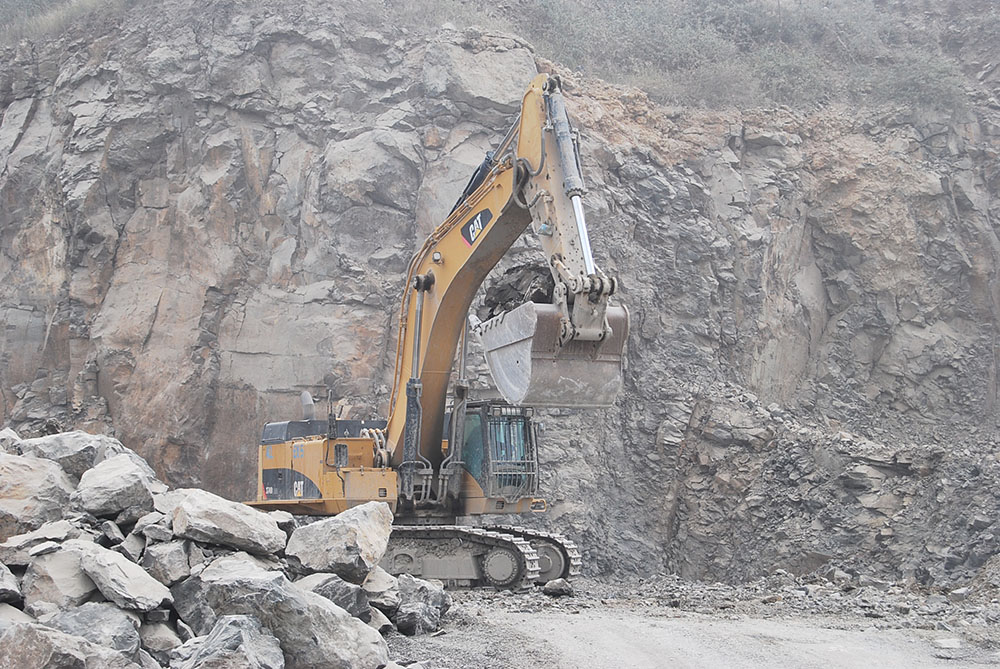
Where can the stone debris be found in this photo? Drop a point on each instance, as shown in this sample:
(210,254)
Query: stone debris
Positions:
(101,623)
(349,544)
(75,452)
(179,578)
(235,642)
(382,589)
(10,591)
(32,492)
(559,587)
(120,580)
(35,646)
(422,603)
(348,596)
(208,518)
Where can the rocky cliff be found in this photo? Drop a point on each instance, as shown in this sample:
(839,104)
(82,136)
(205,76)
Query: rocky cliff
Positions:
(206,210)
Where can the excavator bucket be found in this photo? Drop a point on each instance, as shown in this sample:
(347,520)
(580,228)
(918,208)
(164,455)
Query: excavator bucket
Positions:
(531,368)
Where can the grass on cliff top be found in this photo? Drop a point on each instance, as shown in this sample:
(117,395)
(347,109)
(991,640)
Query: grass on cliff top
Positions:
(717,53)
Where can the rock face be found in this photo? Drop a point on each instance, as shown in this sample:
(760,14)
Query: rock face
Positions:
(349,544)
(839,266)
(312,631)
(206,517)
(32,492)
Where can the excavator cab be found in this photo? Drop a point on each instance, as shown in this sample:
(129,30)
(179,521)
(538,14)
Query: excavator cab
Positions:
(499,450)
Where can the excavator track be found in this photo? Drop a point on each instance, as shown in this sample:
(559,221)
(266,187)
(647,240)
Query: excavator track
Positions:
(558,556)
(462,556)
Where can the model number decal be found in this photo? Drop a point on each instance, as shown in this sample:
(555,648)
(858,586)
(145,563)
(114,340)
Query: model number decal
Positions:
(475,227)
(298,451)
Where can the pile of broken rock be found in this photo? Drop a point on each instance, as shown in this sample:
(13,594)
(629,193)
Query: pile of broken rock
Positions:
(102,565)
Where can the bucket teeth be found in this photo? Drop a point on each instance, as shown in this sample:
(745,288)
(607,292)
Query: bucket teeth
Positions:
(532,368)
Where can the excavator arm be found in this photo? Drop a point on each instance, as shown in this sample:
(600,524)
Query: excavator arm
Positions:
(565,354)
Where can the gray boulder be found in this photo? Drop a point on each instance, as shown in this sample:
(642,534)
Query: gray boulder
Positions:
(32,492)
(15,550)
(132,547)
(10,443)
(120,580)
(382,589)
(422,605)
(349,544)
(113,485)
(312,631)
(352,598)
(235,642)
(559,587)
(10,591)
(101,623)
(379,622)
(75,452)
(35,646)
(57,578)
(158,640)
(211,519)
(11,616)
(167,562)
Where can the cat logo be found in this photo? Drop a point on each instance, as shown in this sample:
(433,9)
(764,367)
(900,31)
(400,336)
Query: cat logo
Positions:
(298,488)
(475,226)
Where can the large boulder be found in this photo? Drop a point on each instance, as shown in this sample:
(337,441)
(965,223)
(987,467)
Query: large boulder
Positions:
(76,452)
(168,562)
(422,604)
(15,550)
(211,519)
(312,631)
(159,640)
(10,443)
(11,616)
(235,642)
(114,485)
(101,623)
(10,591)
(32,492)
(382,589)
(352,598)
(57,578)
(119,579)
(349,544)
(34,646)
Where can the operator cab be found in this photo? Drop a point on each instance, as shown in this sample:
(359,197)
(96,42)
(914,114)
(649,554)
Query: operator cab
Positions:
(499,449)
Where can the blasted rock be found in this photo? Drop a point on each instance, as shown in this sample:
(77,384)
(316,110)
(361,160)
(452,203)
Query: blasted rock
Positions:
(168,562)
(422,604)
(34,646)
(379,621)
(158,640)
(10,442)
(558,587)
(235,642)
(349,544)
(211,519)
(101,623)
(119,579)
(382,589)
(312,631)
(114,485)
(57,578)
(11,616)
(32,493)
(352,598)
(75,452)
(10,591)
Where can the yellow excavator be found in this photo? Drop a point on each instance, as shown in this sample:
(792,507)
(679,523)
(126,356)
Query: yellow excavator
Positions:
(435,466)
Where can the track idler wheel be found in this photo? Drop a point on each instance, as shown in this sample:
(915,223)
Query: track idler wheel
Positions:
(501,567)
(551,562)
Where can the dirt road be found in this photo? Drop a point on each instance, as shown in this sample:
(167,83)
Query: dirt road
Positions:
(495,634)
